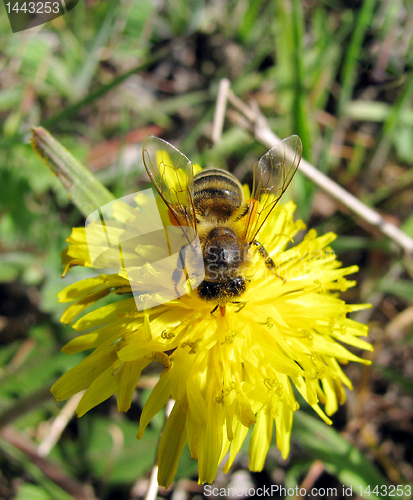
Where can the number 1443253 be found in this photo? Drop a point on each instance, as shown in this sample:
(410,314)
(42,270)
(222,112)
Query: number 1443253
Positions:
(33,7)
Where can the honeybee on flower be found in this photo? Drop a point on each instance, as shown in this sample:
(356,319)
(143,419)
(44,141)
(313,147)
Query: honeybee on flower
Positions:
(280,322)
(213,204)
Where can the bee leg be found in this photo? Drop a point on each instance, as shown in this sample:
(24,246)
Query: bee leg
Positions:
(221,310)
(267,259)
(242,304)
(179,271)
(214,309)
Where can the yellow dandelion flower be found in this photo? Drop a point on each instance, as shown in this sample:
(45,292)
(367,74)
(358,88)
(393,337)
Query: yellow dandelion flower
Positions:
(226,372)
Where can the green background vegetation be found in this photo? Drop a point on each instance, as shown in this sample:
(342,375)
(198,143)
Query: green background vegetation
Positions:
(337,73)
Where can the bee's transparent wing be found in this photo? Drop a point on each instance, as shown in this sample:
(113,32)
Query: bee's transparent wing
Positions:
(172,175)
(272,175)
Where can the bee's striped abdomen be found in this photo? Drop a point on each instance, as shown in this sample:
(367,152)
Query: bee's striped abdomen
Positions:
(217,193)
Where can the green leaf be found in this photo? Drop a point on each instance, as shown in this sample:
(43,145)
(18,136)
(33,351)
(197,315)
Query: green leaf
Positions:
(340,458)
(187,466)
(32,492)
(114,452)
(400,288)
(87,193)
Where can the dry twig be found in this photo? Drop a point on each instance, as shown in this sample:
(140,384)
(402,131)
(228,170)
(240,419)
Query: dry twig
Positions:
(49,468)
(59,424)
(220,109)
(255,122)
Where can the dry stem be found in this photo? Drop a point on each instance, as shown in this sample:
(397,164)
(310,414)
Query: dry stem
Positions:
(256,123)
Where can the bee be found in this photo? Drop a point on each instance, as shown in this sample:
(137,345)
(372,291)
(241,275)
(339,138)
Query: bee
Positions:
(212,203)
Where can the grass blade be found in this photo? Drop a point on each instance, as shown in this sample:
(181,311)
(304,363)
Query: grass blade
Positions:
(340,458)
(300,113)
(350,62)
(104,89)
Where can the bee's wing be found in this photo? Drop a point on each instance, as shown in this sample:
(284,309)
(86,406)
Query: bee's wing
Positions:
(172,175)
(272,175)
